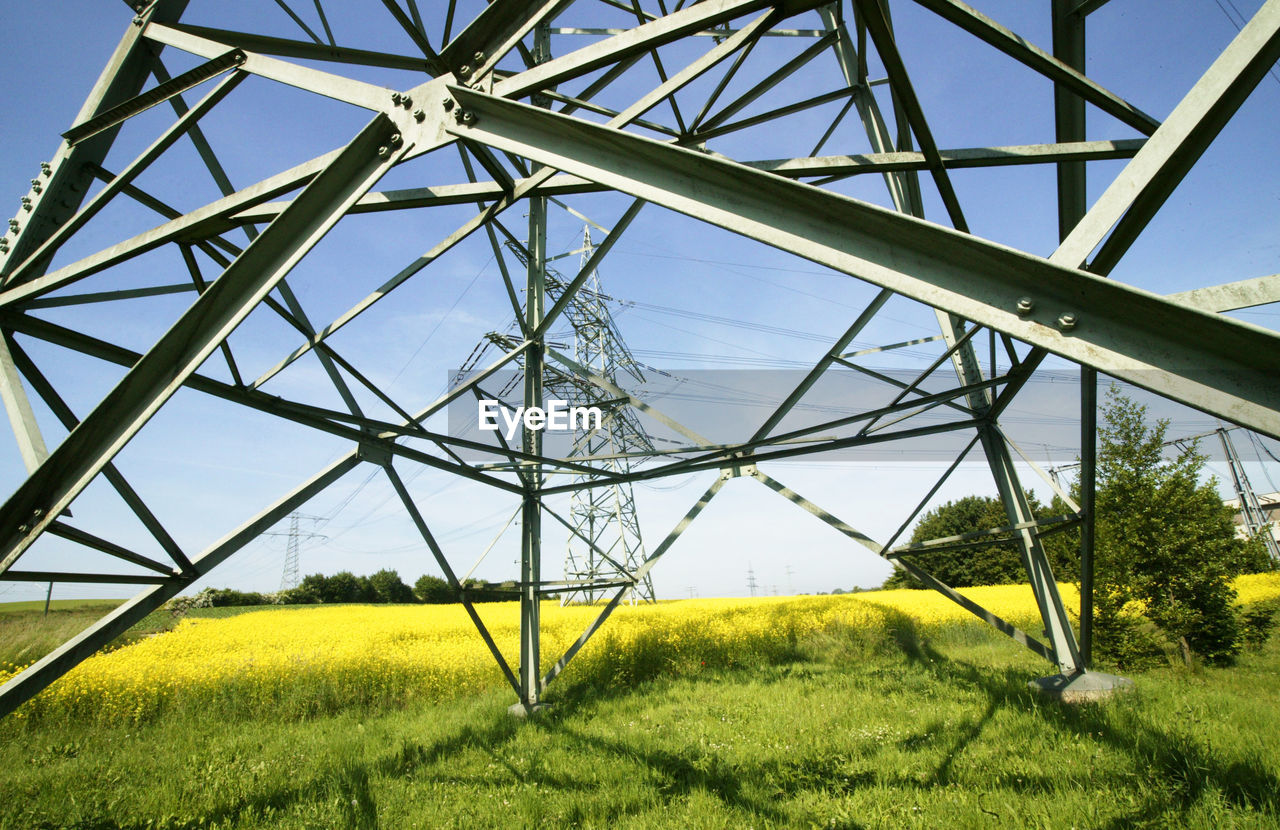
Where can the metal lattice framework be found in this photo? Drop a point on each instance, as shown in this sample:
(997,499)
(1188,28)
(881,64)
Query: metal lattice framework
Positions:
(529,126)
(605,542)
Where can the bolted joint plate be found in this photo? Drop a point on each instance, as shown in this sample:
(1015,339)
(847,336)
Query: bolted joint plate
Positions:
(738,470)
(418,115)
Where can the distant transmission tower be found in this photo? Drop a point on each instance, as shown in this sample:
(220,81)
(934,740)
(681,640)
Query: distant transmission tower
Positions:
(289,579)
(605,545)
(752,584)
(1252,515)
(606,540)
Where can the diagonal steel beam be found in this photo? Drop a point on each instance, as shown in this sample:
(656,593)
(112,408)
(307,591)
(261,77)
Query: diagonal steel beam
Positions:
(337,87)
(672,27)
(495,32)
(67,417)
(974,608)
(164,91)
(832,355)
(27,268)
(1134,197)
(1233,295)
(1018,48)
(75,534)
(16,403)
(808,506)
(411,508)
(1140,190)
(1218,365)
(416,35)
(29,682)
(875,18)
(286,48)
(177,354)
(66,178)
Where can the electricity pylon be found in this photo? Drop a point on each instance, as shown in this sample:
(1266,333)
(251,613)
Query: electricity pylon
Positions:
(290,575)
(727,127)
(605,544)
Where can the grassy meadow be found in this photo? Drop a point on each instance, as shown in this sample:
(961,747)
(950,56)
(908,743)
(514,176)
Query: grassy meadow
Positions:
(871,710)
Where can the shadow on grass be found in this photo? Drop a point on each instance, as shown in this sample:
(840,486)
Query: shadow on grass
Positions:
(1188,767)
(1184,769)
(345,783)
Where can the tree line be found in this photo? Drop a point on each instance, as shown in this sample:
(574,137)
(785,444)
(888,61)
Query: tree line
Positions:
(382,587)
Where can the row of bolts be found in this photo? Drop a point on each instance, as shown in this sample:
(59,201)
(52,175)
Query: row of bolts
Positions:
(37,186)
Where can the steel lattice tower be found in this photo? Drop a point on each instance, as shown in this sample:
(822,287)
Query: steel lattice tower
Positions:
(605,542)
(255,280)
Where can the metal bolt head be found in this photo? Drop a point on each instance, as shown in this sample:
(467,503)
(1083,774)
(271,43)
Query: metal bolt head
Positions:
(46,168)
(137,21)
(1067,321)
(419,116)
(396,140)
(406,101)
(464,70)
(396,98)
(467,117)
(1025,305)
(384,152)
(23,528)
(447,103)
(478,57)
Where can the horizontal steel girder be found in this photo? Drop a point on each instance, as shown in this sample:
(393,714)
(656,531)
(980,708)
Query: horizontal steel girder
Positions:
(1215,364)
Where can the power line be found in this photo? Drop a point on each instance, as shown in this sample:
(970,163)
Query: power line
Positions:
(1239,25)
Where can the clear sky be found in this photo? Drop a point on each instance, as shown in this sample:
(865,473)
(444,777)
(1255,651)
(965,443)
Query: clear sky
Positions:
(688,297)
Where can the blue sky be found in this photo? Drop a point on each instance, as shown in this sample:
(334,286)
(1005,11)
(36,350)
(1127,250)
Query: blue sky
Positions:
(204,467)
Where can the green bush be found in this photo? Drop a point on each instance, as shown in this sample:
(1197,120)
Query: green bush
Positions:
(228,597)
(1166,545)
(1258,621)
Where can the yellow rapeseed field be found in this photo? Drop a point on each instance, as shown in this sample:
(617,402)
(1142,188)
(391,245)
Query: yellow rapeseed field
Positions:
(300,661)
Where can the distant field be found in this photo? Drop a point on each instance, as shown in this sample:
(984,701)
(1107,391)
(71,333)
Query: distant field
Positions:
(102,605)
(27,633)
(312,660)
(273,662)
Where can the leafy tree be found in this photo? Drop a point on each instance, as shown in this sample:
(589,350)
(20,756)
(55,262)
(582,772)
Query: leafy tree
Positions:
(343,586)
(387,586)
(224,597)
(434,590)
(1165,548)
(313,588)
(986,564)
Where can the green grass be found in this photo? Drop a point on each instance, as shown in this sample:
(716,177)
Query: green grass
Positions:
(99,606)
(27,633)
(888,730)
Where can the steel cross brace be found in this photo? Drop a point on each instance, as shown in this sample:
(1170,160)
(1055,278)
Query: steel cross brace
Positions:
(49,490)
